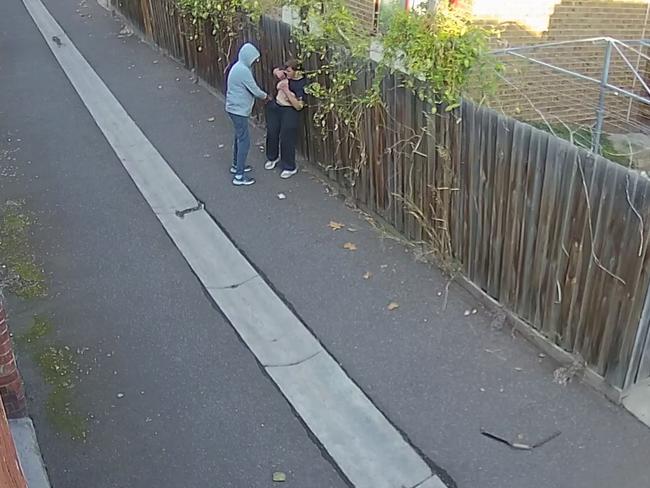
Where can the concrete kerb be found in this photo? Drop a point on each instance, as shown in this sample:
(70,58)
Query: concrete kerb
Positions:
(29,454)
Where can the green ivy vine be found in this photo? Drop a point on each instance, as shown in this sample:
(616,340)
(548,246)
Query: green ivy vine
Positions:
(438,49)
(228,17)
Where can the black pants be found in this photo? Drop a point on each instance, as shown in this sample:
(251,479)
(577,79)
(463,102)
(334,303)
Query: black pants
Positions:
(281,134)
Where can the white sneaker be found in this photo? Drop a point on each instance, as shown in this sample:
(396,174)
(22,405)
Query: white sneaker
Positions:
(271,164)
(243,180)
(288,173)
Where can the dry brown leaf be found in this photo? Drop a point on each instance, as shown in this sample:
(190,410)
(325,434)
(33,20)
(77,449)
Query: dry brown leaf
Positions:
(393,306)
(350,246)
(367,275)
(335,225)
(279,477)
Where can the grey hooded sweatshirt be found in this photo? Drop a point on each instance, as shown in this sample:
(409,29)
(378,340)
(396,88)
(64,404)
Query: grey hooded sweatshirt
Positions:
(242,88)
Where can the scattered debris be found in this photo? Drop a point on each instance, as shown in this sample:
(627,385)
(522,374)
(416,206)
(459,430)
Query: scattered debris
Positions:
(125,31)
(496,353)
(367,275)
(211,119)
(519,445)
(335,225)
(155,61)
(221,146)
(467,313)
(351,229)
(393,306)
(282,196)
(181,213)
(350,246)
(498,322)
(120,395)
(279,477)
(541,355)
(474,311)
(565,374)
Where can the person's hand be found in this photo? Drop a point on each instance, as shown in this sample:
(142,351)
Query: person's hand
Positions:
(279,74)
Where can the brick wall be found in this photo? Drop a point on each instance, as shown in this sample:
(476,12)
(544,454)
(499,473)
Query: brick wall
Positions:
(534,89)
(560,96)
(11,475)
(364,10)
(12,393)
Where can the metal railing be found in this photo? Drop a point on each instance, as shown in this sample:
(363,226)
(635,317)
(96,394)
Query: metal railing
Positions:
(613,67)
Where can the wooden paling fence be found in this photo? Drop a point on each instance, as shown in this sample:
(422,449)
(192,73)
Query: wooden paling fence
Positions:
(554,233)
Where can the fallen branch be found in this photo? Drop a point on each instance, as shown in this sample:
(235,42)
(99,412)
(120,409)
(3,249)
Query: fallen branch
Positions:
(591,229)
(518,445)
(629,201)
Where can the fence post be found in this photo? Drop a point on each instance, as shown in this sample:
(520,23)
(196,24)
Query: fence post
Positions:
(638,364)
(12,393)
(600,112)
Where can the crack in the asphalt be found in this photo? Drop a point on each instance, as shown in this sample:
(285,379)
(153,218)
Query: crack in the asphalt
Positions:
(295,363)
(423,481)
(235,285)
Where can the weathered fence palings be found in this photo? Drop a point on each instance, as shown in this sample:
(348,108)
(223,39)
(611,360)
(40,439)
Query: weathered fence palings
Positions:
(552,232)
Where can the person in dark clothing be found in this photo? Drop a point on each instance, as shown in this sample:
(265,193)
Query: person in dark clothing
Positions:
(283,119)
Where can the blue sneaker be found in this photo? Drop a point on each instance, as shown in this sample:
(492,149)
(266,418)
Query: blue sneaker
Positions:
(243,180)
(247,169)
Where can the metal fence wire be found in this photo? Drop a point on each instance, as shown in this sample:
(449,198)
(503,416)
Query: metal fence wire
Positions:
(593,92)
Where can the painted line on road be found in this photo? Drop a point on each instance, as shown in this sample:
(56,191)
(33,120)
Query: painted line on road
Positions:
(367,448)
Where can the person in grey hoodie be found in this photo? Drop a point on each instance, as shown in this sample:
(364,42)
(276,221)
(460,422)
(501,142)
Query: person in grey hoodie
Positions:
(242,90)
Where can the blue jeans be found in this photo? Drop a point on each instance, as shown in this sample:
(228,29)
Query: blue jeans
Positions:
(242,143)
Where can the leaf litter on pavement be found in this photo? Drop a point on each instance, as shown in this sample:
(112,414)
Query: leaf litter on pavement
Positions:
(279,477)
(350,246)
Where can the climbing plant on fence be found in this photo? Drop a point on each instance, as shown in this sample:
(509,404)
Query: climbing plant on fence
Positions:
(432,54)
